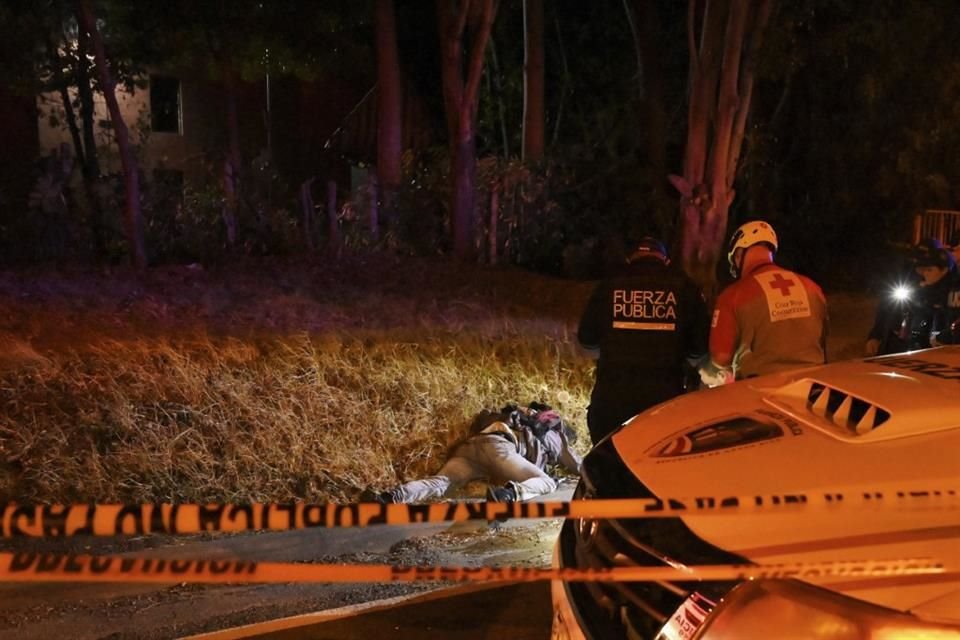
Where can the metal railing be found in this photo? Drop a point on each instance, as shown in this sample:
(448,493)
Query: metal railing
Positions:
(937,223)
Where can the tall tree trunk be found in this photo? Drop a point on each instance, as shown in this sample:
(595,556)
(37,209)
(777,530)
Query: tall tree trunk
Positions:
(747,76)
(533,109)
(464,193)
(632,22)
(451,73)
(71,118)
(720,90)
(389,108)
(648,33)
(91,155)
(497,82)
(495,189)
(373,208)
(457,20)
(333,226)
(307,206)
(87,108)
(234,160)
(134,225)
(713,227)
(57,63)
(565,84)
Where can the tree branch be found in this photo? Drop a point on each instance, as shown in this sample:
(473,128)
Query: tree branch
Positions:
(727,99)
(479,44)
(564,85)
(450,67)
(636,45)
(703,89)
(461,23)
(761,19)
(692,41)
(60,82)
(501,108)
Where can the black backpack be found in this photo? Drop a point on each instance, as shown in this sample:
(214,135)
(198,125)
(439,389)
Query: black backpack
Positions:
(540,418)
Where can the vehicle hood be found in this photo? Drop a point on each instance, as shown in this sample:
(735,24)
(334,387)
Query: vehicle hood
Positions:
(884,424)
(881,420)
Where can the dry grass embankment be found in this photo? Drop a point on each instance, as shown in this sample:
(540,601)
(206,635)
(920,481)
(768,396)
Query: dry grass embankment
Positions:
(278,381)
(267,382)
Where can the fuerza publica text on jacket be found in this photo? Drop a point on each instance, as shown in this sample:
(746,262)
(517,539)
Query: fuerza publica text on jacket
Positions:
(644,303)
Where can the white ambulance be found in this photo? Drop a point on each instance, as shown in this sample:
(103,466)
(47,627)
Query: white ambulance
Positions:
(884,428)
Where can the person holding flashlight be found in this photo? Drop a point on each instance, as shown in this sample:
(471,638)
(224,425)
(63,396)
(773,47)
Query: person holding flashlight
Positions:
(922,314)
(890,327)
(937,269)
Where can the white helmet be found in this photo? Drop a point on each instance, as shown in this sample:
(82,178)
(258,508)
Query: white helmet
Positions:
(748,235)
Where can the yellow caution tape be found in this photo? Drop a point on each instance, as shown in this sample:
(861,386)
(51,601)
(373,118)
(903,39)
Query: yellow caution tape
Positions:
(53,567)
(116,519)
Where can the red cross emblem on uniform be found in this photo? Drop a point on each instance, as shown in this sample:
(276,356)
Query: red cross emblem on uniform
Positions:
(779,282)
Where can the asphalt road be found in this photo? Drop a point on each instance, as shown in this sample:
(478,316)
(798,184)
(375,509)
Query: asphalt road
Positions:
(151,611)
(131,611)
(518,612)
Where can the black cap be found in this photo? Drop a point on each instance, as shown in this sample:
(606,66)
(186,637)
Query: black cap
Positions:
(650,247)
(930,252)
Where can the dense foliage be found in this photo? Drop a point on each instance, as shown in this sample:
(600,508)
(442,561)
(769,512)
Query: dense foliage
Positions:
(853,130)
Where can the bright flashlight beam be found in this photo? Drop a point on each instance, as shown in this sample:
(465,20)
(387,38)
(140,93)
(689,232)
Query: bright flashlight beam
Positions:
(901,293)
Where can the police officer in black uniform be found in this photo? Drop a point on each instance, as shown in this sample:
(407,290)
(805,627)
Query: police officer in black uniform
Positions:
(937,269)
(644,324)
(928,314)
(950,328)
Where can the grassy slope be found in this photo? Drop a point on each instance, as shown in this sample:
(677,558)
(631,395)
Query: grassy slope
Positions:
(267,381)
(276,381)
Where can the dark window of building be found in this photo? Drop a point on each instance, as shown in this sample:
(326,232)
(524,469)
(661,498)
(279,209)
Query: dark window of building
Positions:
(164,104)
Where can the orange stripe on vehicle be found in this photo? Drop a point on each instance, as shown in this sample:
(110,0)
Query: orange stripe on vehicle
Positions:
(894,581)
(846,542)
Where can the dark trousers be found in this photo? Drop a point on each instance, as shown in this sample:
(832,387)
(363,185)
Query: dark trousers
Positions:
(609,408)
